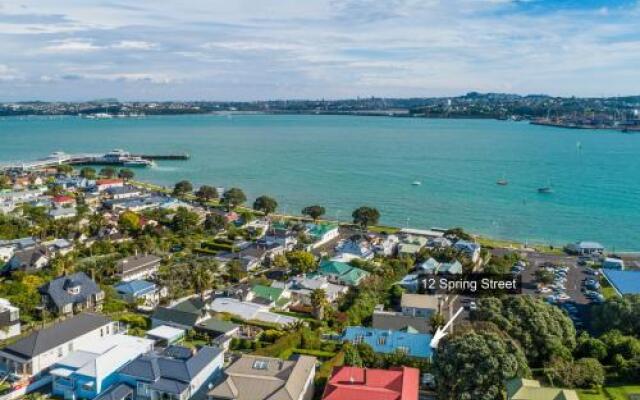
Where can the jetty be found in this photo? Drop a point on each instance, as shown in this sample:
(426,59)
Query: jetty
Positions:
(117,157)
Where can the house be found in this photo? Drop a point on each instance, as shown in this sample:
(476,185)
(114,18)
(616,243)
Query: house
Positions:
(341,273)
(388,342)
(373,384)
(264,378)
(71,294)
(421,305)
(433,267)
(385,245)
(322,233)
(59,246)
(527,389)
(302,286)
(217,328)
(165,335)
(411,282)
(38,351)
(613,263)
(585,248)
(281,234)
(429,266)
(145,293)
(91,368)
(270,296)
(439,243)
(450,268)
(63,201)
(29,260)
(397,321)
(104,184)
(410,245)
(470,249)
(425,233)
(178,373)
(357,248)
(123,192)
(9,320)
(249,311)
(63,213)
(138,267)
(183,315)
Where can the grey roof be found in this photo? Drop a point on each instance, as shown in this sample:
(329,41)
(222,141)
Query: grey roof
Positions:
(186,313)
(399,322)
(217,326)
(134,263)
(49,338)
(117,392)
(25,259)
(57,289)
(167,373)
(274,380)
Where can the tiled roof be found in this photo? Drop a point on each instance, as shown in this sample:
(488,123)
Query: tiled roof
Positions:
(355,383)
(57,289)
(387,342)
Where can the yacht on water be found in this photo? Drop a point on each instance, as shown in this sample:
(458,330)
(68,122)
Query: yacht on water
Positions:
(416,183)
(119,156)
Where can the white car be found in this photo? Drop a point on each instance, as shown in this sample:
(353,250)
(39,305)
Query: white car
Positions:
(563,297)
(544,290)
(473,306)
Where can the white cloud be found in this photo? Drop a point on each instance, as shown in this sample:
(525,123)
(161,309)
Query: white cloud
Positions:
(133,45)
(71,46)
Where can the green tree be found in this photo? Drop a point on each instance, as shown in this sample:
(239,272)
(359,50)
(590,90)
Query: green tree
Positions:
(436,321)
(590,347)
(314,212)
(88,173)
(65,169)
(265,204)
(184,221)
(585,373)
(351,356)
(202,279)
(365,216)
(302,262)
(235,270)
(206,193)
(544,331)
(233,198)
(129,222)
(620,313)
(125,174)
(182,188)
(215,222)
(108,172)
(318,299)
(474,365)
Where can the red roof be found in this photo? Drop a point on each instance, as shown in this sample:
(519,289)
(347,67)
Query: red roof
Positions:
(352,383)
(63,199)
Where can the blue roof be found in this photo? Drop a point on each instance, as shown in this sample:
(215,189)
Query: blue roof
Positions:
(136,287)
(387,341)
(625,282)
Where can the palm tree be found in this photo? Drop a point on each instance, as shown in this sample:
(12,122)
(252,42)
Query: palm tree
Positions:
(319,302)
(202,279)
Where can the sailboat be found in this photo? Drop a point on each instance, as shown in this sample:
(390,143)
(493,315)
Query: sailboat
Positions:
(502,181)
(545,189)
(416,183)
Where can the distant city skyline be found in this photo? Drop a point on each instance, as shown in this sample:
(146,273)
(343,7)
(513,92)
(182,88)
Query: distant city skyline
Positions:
(77,50)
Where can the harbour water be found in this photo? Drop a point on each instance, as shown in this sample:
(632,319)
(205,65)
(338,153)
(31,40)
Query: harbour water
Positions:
(342,162)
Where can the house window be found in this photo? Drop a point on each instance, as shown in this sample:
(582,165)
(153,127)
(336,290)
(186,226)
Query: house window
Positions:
(382,340)
(403,349)
(260,364)
(60,352)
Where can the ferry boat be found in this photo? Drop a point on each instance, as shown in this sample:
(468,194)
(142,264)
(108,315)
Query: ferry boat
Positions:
(119,156)
(137,162)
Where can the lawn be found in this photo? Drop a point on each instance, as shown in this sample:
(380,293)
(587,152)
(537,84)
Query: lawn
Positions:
(612,392)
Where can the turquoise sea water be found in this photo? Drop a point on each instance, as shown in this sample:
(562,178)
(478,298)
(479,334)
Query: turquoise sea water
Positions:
(343,162)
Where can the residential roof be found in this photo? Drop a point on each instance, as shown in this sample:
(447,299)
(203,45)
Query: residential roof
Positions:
(28,257)
(186,313)
(136,287)
(526,389)
(49,338)
(385,341)
(165,332)
(624,282)
(420,301)
(116,392)
(168,373)
(133,263)
(217,326)
(249,311)
(267,292)
(261,378)
(399,322)
(344,272)
(355,383)
(58,289)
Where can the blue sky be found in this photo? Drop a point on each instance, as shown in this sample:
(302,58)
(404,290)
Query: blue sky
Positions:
(274,49)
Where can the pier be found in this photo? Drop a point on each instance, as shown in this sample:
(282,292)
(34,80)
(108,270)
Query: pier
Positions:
(115,157)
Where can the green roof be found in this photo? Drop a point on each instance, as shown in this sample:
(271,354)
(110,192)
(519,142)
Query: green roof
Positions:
(217,325)
(526,389)
(344,272)
(267,292)
(318,230)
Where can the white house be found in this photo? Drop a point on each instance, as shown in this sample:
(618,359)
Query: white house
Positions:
(9,320)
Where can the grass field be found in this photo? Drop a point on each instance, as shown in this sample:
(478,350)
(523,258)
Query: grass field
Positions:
(612,392)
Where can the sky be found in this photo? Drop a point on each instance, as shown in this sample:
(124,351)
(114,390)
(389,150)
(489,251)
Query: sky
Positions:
(75,50)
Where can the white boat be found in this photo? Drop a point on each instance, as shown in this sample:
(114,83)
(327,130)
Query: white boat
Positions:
(416,183)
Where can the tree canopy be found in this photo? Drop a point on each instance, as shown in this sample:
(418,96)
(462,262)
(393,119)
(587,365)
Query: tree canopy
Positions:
(265,204)
(301,261)
(542,330)
(181,188)
(88,173)
(233,198)
(206,193)
(474,365)
(314,212)
(365,216)
(621,313)
(108,172)
(126,174)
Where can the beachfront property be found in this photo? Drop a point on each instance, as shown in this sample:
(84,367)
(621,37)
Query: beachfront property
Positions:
(137,267)
(248,311)
(91,368)
(322,233)
(71,294)
(613,263)
(146,294)
(103,184)
(123,192)
(469,249)
(433,267)
(410,244)
(346,383)
(388,342)
(585,248)
(282,234)
(9,320)
(41,349)
(527,389)
(265,378)
(177,373)
(341,273)
(142,203)
(384,245)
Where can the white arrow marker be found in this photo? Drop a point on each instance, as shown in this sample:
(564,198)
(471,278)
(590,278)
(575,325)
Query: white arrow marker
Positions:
(442,332)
